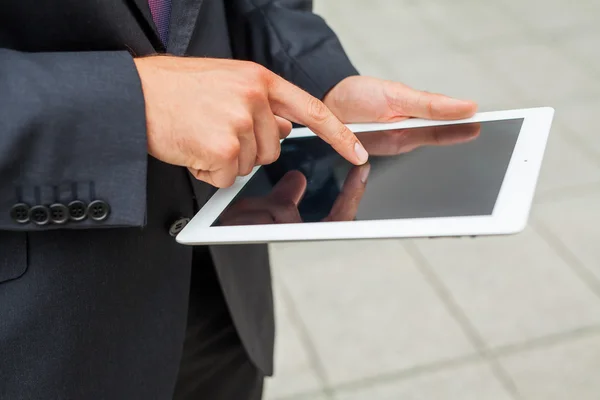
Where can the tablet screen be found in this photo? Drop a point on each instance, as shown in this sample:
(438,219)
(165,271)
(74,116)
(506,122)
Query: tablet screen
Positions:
(444,171)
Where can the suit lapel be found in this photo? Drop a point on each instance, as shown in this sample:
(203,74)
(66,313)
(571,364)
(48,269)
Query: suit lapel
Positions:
(184,15)
(141,10)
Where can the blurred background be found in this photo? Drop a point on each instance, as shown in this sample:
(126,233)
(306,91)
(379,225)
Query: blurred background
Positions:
(489,318)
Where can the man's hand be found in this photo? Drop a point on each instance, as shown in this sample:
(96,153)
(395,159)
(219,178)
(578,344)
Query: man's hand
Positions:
(220,118)
(360,99)
(281,205)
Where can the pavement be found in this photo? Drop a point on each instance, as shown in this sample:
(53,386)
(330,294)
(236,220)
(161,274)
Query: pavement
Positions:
(499,318)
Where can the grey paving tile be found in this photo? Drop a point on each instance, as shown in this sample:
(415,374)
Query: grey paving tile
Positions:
(312,396)
(367,308)
(333,14)
(474,382)
(293,371)
(462,76)
(581,119)
(368,48)
(383,29)
(327,9)
(564,164)
(576,222)
(542,73)
(367,64)
(366,61)
(368,318)
(584,46)
(308,396)
(472,22)
(392,41)
(554,15)
(566,371)
(512,288)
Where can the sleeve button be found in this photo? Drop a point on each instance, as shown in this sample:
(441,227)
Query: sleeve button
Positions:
(59,213)
(98,210)
(178,226)
(77,210)
(20,213)
(39,215)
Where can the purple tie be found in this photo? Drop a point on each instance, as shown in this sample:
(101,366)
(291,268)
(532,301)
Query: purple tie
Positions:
(161,13)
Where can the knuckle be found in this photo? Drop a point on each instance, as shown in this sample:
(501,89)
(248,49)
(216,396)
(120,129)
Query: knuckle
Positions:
(228,149)
(196,167)
(225,181)
(243,123)
(317,110)
(341,135)
(269,157)
(428,101)
(256,70)
(246,170)
(261,159)
(430,108)
(273,155)
(254,93)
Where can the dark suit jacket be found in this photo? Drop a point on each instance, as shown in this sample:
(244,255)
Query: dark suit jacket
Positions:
(96,308)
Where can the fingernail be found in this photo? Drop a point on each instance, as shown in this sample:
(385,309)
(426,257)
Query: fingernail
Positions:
(364,173)
(362,154)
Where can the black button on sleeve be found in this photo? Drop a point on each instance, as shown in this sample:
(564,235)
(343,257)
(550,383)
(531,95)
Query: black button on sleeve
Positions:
(20,213)
(98,210)
(77,210)
(39,215)
(178,226)
(59,213)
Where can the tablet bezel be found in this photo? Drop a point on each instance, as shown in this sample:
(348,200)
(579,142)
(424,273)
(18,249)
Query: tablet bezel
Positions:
(509,216)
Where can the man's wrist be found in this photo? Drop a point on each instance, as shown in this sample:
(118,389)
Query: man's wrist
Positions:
(336,97)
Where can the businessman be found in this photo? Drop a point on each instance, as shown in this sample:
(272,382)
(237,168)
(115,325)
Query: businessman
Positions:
(110,140)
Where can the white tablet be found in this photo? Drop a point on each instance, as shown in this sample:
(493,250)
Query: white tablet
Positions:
(424,179)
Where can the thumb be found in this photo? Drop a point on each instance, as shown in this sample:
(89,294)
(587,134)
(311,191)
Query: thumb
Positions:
(408,102)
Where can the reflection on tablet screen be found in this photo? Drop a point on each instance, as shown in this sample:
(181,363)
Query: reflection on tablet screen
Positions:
(443,171)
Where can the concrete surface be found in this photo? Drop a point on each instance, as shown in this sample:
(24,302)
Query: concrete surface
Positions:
(491,318)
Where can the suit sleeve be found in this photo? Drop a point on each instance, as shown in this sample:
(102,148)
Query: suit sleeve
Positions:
(292,41)
(73,151)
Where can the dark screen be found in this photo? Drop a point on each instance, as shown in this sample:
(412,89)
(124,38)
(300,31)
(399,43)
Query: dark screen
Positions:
(444,171)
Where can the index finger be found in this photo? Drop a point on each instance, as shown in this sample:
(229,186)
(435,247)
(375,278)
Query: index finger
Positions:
(292,103)
(347,203)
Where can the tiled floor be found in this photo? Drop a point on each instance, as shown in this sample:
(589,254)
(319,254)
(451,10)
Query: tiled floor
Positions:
(500,318)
